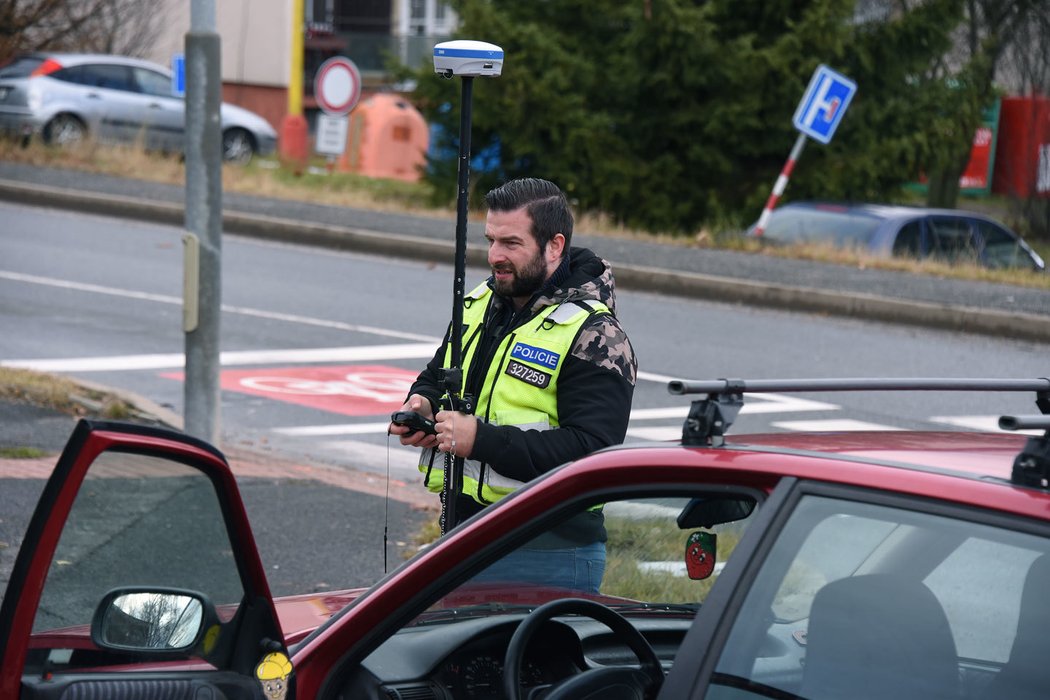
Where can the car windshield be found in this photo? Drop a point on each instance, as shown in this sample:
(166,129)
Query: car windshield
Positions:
(1002,249)
(21,67)
(839,226)
(656,559)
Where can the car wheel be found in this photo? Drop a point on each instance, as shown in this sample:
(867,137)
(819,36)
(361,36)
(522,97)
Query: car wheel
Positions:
(605,682)
(238,147)
(65,130)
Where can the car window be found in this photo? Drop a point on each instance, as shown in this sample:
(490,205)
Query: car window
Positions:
(860,600)
(651,552)
(837,226)
(909,240)
(951,239)
(102,75)
(1000,247)
(150,82)
(21,67)
(128,505)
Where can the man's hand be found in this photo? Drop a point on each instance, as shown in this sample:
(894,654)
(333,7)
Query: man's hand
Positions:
(415,438)
(456,432)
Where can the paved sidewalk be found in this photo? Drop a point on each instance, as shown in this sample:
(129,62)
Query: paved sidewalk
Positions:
(728,276)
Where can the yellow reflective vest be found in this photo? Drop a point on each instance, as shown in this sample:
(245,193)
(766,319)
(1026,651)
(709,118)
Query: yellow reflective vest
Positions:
(520,386)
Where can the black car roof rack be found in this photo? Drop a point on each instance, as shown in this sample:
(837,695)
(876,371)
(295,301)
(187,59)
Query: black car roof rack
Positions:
(709,418)
(1032,465)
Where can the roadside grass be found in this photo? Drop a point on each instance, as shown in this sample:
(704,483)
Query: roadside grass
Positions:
(21,453)
(633,542)
(267,177)
(60,394)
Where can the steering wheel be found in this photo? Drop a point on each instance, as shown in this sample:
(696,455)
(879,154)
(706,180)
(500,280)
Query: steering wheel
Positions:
(610,683)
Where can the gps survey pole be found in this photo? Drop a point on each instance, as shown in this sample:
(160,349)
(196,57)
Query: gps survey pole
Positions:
(468,60)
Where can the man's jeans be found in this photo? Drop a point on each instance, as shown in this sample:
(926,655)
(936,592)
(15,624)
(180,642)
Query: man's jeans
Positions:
(577,568)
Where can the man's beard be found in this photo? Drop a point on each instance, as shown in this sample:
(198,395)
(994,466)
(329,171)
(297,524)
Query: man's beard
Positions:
(526,281)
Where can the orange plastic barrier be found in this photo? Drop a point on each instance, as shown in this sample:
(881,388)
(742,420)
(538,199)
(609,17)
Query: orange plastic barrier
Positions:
(387,137)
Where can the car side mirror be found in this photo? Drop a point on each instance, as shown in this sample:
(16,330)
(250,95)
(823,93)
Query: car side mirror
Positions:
(152,620)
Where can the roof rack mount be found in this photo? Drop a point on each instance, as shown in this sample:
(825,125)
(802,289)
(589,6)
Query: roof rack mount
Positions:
(710,418)
(1032,464)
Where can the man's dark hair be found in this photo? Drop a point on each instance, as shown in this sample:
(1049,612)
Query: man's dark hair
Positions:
(543,200)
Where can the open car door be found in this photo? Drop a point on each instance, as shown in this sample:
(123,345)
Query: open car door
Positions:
(139,577)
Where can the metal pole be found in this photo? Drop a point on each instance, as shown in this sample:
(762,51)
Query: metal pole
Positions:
(453,379)
(781,184)
(204,219)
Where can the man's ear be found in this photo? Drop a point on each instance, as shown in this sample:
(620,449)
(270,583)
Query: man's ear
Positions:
(555,247)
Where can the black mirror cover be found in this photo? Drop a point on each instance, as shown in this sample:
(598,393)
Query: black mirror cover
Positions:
(152,620)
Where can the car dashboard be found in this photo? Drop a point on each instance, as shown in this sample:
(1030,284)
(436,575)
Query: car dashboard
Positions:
(465,659)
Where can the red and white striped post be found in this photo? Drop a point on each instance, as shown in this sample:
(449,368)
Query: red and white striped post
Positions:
(781,184)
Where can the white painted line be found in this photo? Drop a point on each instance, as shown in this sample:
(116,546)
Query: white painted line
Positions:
(981,423)
(657,434)
(765,403)
(335,429)
(361,353)
(660,378)
(675,568)
(830,426)
(242,310)
(403,462)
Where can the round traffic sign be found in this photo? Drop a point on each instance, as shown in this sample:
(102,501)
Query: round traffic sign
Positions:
(337,85)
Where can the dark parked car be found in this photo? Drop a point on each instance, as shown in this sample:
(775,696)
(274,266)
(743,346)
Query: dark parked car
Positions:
(951,235)
(905,565)
(65,98)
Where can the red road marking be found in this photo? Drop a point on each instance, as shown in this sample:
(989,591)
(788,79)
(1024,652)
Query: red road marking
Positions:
(353,390)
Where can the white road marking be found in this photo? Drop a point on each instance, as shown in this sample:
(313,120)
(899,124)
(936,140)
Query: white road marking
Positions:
(982,423)
(762,403)
(242,310)
(662,434)
(402,461)
(334,429)
(767,403)
(831,425)
(675,568)
(362,353)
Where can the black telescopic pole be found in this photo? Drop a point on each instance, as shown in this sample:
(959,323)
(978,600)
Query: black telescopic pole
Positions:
(453,379)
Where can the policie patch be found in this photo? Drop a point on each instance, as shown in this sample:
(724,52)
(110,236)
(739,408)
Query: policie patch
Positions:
(528,375)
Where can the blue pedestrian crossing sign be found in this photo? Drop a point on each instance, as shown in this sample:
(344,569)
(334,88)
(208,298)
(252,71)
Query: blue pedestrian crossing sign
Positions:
(825,101)
(178,75)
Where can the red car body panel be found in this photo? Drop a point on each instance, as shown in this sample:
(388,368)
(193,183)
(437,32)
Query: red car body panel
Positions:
(969,469)
(14,656)
(947,466)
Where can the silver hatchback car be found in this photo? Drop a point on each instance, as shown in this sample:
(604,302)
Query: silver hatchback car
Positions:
(64,98)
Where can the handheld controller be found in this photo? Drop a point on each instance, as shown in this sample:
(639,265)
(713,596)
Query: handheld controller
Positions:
(413,420)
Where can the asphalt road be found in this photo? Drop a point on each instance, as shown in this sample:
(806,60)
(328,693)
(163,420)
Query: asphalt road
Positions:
(999,310)
(975,307)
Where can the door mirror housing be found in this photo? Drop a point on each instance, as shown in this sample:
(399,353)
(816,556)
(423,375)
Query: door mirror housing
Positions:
(152,620)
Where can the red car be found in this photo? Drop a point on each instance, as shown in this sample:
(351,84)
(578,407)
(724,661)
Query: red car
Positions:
(821,565)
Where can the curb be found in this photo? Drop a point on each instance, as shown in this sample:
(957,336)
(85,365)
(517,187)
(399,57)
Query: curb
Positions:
(1021,326)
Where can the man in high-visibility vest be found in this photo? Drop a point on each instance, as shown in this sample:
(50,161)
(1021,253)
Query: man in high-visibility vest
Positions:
(551,371)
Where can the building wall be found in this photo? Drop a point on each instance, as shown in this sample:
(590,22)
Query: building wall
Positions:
(255,38)
(255,50)
(256,41)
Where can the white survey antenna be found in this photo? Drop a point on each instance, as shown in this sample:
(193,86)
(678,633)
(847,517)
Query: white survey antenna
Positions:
(468,59)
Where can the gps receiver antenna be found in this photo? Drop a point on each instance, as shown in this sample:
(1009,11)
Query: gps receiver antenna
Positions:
(466,59)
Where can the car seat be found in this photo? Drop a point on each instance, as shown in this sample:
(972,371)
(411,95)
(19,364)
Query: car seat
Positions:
(1027,673)
(879,636)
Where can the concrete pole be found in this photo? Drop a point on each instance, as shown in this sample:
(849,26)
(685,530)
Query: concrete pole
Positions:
(203,222)
(293,134)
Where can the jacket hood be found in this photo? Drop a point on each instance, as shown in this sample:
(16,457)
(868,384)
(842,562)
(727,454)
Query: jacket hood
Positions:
(589,278)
